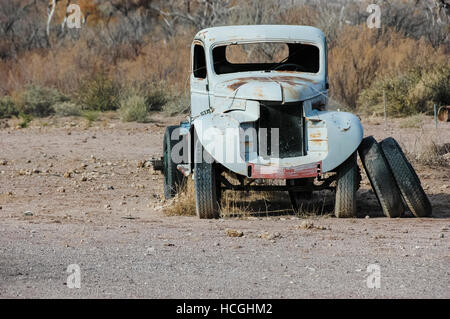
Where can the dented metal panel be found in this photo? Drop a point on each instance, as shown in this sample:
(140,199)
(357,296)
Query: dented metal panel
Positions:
(317,136)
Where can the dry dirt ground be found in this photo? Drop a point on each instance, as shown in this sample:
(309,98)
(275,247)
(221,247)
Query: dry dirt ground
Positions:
(73,194)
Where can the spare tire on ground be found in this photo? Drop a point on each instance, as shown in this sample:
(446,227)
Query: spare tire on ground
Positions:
(380,177)
(406,178)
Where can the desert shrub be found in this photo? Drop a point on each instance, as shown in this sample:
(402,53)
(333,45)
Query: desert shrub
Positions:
(39,101)
(178,104)
(7,108)
(99,94)
(434,85)
(363,56)
(136,102)
(155,99)
(67,109)
(410,93)
(26,119)
(134,109)
(90,115)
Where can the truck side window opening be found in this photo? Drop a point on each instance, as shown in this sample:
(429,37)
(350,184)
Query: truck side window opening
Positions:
(199,62)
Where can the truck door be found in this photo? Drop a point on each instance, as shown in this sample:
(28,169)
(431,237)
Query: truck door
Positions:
(199,81)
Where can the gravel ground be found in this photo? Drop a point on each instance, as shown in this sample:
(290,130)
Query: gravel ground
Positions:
(74,194)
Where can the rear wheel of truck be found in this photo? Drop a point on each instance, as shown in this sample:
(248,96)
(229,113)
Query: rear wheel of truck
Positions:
(173,178)
(297,198)
(407,180)
(207,185)
(380,177)
(346,188)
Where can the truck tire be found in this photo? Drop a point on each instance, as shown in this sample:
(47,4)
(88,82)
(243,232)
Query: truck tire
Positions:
(347,186)
(406,178)
(207,185)
(298,197)
(380,177)
(173,178)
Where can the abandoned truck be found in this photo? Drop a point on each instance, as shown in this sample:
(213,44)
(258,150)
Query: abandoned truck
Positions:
(259,112)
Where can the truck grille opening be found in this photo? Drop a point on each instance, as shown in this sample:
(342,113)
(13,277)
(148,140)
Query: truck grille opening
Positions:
(288,119)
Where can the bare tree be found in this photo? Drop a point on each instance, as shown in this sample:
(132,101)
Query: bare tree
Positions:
(50,12)
(197,13)
(20,26)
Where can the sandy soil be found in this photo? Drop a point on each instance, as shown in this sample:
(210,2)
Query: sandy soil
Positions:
(73,194)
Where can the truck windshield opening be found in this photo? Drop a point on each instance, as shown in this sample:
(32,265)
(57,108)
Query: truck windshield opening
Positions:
(266,56)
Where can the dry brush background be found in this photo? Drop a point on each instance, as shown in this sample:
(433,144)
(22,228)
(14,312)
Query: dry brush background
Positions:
(134,54)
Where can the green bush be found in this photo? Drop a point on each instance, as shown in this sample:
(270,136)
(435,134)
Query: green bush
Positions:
(134,109)
(91,115)
(155,100)
(99,94)
(39,101)
(7,108)
(67,109)
(26,119)
(410,93)
(155,97)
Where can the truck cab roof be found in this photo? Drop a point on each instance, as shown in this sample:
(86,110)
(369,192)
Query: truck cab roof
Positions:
(251,33)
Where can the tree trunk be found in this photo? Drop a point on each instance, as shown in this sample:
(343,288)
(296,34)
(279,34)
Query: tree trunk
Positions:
(51,12)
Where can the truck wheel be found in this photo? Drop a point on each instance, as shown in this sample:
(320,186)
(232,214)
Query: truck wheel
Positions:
(407,180)
(380,177)
(207,185)
(298,197)
(347,186)
(173,178)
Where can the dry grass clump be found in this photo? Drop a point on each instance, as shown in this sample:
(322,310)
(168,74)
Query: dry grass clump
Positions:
(426,151)
(313,208)
(233,204)
(413,121)
(239,204)
(268,204)
(183,204)
(243,204)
